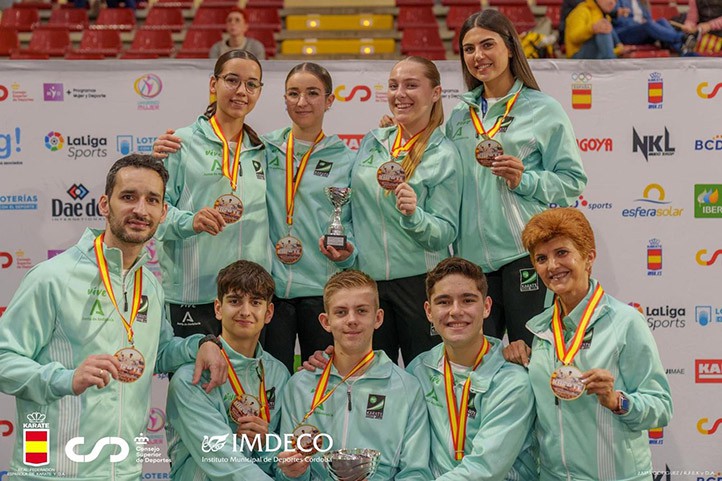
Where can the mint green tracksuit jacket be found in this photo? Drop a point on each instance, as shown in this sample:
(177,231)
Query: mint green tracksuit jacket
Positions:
(538,132)
(581,440)
(499,430)
(383,409)
(329,165)
(60,315)
(190,261)
(194,416)
(392,245)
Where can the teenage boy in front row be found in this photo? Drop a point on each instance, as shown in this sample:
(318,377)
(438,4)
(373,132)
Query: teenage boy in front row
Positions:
(486,431)
(361,399)
(202,425)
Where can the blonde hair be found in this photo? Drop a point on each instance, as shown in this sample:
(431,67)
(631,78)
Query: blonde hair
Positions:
(348,279)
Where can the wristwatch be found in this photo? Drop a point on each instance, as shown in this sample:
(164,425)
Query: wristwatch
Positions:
(623,406)
(210,338)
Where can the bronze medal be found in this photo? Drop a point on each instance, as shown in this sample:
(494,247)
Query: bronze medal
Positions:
(230,207)
(132,364)
(244,405)
(289,249)
(304,438)
(390,174)
(487,150)
(566,382)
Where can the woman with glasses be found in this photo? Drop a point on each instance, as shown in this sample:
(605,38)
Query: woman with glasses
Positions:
(405,205)
(302,161)
(216,195)
(520,155)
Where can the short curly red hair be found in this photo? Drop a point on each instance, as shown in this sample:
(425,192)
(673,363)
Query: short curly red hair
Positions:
(561,222)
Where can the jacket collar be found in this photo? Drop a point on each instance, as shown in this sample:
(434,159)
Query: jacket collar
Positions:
(113,256)
(385,136)
(207,130)
(473,97)
(482,376)
(380,368)
(279,138)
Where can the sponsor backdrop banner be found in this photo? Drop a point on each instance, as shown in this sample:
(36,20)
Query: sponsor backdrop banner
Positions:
(650,134)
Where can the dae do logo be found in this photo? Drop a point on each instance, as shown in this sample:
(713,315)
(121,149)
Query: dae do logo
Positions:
(78,147)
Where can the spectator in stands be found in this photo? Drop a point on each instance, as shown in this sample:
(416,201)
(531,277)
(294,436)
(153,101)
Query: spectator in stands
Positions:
(526,158)
(640,28)
(216,195)
(704,19)
(405,205)
(589,33)
(568,6)
(302,162)
(236,28)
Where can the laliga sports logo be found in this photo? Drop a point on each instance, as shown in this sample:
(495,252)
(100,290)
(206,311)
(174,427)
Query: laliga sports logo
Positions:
(54,141)
(211,444)
(704,430)
(88,458)
(366,95)
(703,252)
(148,86)
(703,86)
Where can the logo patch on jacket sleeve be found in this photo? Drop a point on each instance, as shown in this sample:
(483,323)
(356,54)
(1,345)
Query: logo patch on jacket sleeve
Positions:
(505,124)
(142,315)
(271,396)
(259,170)
(375,406)
(323,168)
(528,280)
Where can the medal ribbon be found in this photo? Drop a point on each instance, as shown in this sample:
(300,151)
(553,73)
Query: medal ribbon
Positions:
(479,126)
(292,182)
(238,388)
(567,355)
(230,172)
(321,395)
(105,276)
(397,148)
(458,418)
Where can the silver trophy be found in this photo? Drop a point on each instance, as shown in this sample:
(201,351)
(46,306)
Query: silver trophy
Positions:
(335,237)
(352,464)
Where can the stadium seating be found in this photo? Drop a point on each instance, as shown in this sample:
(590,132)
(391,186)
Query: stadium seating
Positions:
(210,17)
(266,38)
(152,42)
(198,42)
(8,41)
(50,40)
(458,14)
(165,18)
(263,18)
(416,17)
(100,42)
(519,14)
(74,19)
(122,19)
(664,11)
(423,41)
(21,19)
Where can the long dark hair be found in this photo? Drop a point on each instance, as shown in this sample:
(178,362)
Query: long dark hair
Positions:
(220,63)
(495,21)
(317,71)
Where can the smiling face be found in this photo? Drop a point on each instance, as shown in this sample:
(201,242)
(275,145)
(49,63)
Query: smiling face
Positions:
(457,309)
(307,100)
(564,269)
(134,208)
(234,104)
(352,317)
(487,57)
(411,95)
(242,316)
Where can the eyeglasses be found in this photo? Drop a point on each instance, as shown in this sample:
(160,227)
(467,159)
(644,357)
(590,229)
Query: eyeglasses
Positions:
(232,82)
(293,96)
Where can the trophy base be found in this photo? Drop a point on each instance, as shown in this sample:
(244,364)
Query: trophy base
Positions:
(335,241)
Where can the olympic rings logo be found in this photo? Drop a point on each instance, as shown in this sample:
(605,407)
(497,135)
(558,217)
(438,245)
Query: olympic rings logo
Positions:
(582,77)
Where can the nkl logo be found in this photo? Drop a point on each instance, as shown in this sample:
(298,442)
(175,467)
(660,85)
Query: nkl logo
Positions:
(702,253)
(651,145)
(581,91)
(707,201)
(654,258)
(655,87)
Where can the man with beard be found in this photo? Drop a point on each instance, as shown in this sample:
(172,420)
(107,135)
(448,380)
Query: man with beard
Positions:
(92,316)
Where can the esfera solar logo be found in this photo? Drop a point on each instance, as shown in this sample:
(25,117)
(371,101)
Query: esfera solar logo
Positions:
(663,317)
(54,141)
(653,203)
(78,146)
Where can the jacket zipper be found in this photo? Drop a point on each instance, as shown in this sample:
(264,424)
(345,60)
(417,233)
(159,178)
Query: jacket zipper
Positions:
(346,415)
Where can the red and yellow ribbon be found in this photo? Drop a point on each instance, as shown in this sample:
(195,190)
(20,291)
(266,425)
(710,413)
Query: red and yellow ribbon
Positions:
(458,418)
(566,355)
(479,126)
(321,395)
(238,388)
(229,171)
(293,182)
(105,276)
(397,148)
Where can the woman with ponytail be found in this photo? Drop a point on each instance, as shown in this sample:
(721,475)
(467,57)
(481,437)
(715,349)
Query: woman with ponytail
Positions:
(405,205)
(216,196)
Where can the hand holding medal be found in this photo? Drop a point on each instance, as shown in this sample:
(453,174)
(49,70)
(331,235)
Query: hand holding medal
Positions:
(601,383)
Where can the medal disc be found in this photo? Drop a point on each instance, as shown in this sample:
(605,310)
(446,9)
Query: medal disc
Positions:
(390,174)
(487,150)
(304,438)
(566,383)
(244,405)
(132,364)
(289,249)
(230,207)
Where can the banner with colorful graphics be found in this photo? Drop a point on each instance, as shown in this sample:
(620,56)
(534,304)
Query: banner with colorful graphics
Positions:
(650,136)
